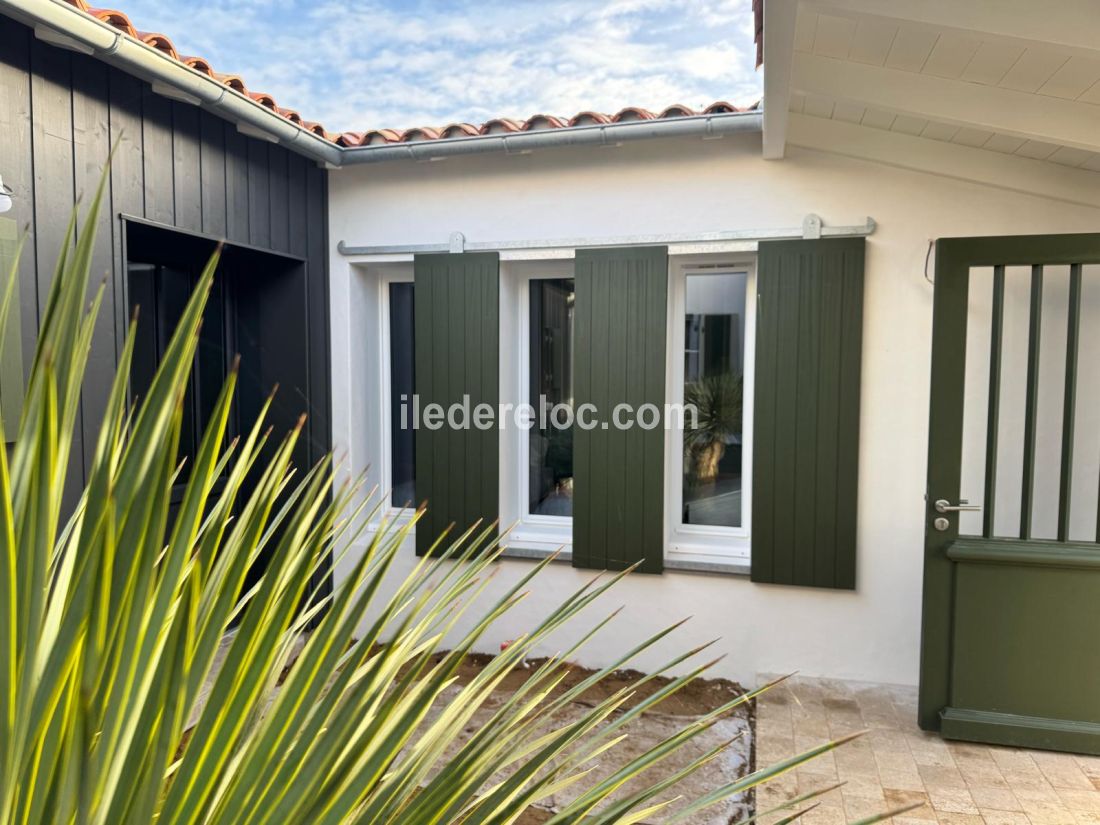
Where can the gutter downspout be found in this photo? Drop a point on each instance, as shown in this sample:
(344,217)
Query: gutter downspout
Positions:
(609,134)
(60,23)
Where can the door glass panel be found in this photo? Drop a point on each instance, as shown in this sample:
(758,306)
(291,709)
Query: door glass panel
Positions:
(1013,401)
(550,483)
(979,323)
(1086,431)
(402,381)
(1043,495)
(714,341)
(1050,403)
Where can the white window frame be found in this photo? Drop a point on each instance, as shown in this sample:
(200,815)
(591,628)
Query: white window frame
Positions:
(694,544)
(529,531)
(395,274)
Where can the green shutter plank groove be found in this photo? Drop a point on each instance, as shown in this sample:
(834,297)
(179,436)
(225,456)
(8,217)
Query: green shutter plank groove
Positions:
(620,326)
(809,318)
(457,334)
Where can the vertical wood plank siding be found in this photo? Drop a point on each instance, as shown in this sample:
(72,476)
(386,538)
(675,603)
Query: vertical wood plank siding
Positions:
(457,334)
(620,327)
(809,318)
(175,164)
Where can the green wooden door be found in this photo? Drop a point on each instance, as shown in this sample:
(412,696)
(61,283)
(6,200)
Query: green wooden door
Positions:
(1011,605)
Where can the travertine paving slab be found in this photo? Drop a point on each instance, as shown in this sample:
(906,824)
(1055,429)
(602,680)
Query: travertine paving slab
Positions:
(896,764)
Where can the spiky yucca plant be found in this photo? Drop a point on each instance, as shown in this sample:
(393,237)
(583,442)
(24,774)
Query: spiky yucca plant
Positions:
(113,615)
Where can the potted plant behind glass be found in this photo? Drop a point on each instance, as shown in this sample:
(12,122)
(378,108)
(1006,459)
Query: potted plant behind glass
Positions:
(717,400)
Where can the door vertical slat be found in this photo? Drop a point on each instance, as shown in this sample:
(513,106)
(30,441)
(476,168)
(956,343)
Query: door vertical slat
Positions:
(996,336)
(1027,487)
(1073,336)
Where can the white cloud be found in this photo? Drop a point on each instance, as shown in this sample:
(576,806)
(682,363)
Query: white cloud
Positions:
(371,64)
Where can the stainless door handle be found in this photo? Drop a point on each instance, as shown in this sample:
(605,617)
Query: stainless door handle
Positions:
(942,505)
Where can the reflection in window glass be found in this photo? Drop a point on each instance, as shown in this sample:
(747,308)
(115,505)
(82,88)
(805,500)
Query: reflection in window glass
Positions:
(714,340)
(402,377)
(551,361)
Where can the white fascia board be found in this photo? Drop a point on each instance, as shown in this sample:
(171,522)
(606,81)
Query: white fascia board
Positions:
(779,23)
(950,160)
(1070,24)
(1008,112)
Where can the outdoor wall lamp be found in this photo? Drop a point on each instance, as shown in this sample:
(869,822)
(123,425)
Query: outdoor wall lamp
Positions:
(5,196)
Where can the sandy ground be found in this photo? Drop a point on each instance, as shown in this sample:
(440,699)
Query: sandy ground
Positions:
(692,701)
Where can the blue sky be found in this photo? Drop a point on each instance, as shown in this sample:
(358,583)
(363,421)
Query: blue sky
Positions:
(378,63)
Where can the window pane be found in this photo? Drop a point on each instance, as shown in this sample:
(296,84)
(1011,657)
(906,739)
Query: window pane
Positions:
(402,435)
(551,448)
(714,341)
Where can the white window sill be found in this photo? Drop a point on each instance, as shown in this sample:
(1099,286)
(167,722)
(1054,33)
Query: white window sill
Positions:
(720,567)
(537,545)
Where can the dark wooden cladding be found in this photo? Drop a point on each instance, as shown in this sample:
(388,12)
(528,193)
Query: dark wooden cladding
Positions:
(175,164)
(809,322)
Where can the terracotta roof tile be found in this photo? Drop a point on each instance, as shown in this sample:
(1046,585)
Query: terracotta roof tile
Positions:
(495,126)
(349,138)
(454,130)
(199,65)
(317,129)
(233,81)
(420,133)
(290,115)
(675,110)
(501,125)
(265,100)
(589,119)
(536,122)
(160,43)
(630,113)
(114,18)
(376,136)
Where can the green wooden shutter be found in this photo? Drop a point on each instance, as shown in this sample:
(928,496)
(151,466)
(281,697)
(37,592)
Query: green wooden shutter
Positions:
(11,347)
(809,319)
(619,357)
(457,333)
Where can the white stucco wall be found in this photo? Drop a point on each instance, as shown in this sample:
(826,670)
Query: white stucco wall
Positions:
(690,186)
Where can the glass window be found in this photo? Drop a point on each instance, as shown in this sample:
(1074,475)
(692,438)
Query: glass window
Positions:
(402,382)
(714,342)
(550,486)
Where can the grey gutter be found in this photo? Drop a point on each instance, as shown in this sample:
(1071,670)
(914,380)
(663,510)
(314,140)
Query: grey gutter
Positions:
(61,24)
(607,134)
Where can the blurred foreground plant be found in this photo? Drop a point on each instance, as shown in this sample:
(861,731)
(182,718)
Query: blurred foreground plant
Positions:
(113,615)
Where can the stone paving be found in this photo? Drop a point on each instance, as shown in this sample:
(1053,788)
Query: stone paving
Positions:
(896,764)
